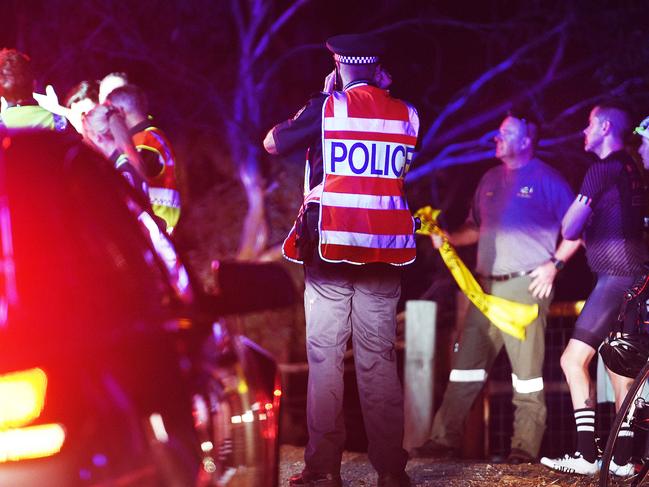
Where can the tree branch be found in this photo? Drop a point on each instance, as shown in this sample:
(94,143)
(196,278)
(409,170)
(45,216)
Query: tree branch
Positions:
(490,74)
(280,60)
(264,41)
(591,101)
(436,163)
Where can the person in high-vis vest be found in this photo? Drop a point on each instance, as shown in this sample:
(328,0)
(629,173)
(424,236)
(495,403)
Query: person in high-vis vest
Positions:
(515,220)
(354,232)
(155,151)
(18,108)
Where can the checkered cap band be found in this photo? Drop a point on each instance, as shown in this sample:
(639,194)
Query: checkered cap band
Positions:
(356,59)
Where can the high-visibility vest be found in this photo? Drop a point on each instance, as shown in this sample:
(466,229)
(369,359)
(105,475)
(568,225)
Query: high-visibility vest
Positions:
(368,139)
(32,116)
(163,191)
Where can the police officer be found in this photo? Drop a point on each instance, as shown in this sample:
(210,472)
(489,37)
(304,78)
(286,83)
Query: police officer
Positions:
(353,233)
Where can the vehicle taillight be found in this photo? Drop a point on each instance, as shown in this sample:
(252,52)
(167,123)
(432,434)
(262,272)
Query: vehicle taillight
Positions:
(31,442)
(22,398)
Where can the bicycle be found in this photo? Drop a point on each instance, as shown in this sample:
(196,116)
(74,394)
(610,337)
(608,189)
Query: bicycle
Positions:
(635,408)
(628,355)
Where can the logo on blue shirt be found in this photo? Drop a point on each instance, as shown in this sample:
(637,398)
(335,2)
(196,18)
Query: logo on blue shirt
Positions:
(525,192)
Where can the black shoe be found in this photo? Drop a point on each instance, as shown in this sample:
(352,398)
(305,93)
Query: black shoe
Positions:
(518,457)
(400,479)
(431,449)
(307,479)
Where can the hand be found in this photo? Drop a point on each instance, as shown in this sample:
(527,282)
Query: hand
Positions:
(382,78)
(542,280)
(3,104)
(269,143)
(438,238)
(50,101)
(123,140)
(330,82)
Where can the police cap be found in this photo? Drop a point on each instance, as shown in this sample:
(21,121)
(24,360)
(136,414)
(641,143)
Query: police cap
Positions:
(356,48)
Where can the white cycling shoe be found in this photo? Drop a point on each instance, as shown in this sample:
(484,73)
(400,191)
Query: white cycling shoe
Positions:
(621,470)
(574,463)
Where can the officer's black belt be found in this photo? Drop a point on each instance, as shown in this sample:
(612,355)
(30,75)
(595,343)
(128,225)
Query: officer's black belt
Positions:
(506,277)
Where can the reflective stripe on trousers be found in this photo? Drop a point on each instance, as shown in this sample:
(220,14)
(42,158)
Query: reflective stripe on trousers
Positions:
(471,375)
(527,386)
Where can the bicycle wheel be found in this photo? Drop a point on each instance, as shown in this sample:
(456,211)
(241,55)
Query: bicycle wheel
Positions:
(630,409)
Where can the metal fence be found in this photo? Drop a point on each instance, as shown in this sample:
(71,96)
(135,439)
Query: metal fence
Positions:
(497,409)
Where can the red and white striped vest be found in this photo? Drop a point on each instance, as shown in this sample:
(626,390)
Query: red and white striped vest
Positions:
(368,140)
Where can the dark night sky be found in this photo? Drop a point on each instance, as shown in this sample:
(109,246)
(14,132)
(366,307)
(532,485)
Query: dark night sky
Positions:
(431,62)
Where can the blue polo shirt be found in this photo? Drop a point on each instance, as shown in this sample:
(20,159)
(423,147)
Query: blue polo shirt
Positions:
(518,213)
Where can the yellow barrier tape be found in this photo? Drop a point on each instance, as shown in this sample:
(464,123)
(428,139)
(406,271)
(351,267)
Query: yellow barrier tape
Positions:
(509,316)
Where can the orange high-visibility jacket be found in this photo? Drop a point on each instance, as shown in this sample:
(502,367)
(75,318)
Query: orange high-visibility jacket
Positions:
(163,191)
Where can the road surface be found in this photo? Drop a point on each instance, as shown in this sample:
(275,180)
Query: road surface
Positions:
(357,472)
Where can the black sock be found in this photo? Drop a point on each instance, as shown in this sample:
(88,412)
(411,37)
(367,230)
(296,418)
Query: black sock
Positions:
(624,444)
(585,422)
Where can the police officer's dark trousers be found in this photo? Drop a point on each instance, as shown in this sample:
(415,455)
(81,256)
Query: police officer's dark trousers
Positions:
(340,301)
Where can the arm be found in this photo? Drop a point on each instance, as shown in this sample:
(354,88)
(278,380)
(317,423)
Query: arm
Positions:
(123,140)
(50,102)
(576,217)
(297,132)
(303,128)
(598,179)
(269,143)
(467,234)
(543,276)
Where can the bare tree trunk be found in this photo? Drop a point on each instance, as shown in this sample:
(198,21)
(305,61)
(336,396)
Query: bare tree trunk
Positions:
(254,234)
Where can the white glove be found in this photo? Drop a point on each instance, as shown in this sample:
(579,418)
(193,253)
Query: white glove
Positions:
(50,101)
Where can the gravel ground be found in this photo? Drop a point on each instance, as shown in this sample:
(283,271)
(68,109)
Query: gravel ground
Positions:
(357,472)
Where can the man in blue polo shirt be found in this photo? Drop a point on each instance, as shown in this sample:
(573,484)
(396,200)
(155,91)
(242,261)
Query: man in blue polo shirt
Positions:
(515,220)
